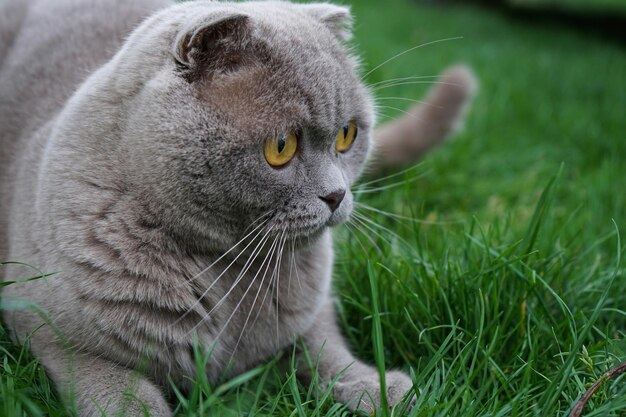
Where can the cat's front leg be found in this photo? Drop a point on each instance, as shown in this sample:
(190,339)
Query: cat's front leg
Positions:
(95,385)
(359,384)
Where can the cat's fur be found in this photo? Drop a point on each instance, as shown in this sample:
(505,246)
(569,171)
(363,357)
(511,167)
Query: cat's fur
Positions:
(129,166)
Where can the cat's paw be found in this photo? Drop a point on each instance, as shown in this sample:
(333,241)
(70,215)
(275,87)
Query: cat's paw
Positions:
(363,392)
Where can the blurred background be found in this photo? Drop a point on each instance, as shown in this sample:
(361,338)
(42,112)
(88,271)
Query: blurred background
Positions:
(553,90)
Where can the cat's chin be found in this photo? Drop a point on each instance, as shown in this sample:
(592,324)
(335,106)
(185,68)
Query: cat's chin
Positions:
(304,239)
(334,220)
(310,233)
(337,219)
(305,236)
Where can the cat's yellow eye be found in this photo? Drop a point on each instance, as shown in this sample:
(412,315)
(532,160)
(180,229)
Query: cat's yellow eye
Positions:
(346,136)
(280,149)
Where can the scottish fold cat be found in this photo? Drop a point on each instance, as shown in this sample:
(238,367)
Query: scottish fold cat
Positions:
(180,165)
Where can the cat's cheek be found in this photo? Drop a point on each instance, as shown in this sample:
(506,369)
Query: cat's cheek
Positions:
(353,161)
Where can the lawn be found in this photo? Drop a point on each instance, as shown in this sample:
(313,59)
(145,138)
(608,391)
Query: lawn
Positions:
(497,281)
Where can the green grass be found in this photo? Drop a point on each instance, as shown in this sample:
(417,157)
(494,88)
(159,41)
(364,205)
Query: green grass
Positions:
(501,288)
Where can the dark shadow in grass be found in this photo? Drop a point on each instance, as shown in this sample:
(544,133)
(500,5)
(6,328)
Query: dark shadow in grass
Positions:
(606,24)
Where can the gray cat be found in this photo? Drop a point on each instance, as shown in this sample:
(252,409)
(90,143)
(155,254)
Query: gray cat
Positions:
(180,166)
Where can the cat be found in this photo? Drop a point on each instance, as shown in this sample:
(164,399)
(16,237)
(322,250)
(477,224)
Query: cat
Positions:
(175,164)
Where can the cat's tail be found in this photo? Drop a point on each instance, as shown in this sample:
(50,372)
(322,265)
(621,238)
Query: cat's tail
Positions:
(404,140)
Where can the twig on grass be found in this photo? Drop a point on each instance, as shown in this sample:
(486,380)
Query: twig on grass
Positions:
(580,405)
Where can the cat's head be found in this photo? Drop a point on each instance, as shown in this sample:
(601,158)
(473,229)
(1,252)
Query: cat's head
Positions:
(256,116)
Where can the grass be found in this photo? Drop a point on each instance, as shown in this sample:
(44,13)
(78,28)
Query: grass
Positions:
(500,288)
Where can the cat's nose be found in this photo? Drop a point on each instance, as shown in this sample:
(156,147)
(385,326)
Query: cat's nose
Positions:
(334,199)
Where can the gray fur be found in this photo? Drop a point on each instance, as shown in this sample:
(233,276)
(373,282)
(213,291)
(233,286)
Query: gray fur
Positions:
(132,159)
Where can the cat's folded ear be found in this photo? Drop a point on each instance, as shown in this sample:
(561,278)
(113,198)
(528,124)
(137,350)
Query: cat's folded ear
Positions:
(336,18)
(210,46)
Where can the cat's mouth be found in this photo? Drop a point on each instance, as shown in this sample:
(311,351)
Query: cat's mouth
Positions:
(299,220)
(303,229)
(338,218)
(309,224)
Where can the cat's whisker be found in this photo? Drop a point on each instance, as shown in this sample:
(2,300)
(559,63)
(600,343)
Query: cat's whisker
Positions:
(241,275)
(291,259)
(399,217)
(245,324)
(396,109)
(243,271)
(395,80)
(392,185)
(415,116)
(216,280)
(358,217)
(199,274)
(274,283)
(397,174)
(267,213)
(386,116)
(352,229)
(246,266)
(407,51)
(393,216)
(425,103)
(295,264)
(269,285)
(416,82)
(384,229)
(358,228)
(362,219)
(268,260)
(275,274)
(280,260)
